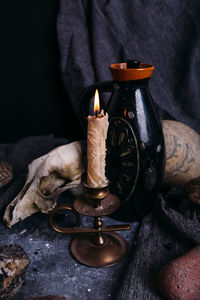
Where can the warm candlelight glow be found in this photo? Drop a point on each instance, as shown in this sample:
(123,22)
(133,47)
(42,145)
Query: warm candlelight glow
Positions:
(96,102)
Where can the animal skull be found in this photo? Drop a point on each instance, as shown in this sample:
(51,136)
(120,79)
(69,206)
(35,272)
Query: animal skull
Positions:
(48,176)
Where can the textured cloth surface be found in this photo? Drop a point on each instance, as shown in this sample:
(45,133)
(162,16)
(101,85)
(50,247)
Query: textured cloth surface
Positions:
(94,34)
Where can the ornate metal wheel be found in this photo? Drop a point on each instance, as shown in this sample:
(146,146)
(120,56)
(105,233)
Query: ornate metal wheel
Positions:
(122,159)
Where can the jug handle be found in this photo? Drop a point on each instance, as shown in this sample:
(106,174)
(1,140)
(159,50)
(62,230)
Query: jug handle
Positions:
(88,93)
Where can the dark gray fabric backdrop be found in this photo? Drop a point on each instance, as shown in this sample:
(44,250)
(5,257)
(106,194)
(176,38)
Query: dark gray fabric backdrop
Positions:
(94,34)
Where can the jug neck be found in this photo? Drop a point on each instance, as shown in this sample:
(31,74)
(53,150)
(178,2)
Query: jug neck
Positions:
(133,84)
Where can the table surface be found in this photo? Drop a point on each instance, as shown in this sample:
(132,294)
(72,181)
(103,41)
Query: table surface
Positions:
(53,271)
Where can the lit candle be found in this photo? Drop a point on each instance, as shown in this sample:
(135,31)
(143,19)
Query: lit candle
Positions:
(96,146)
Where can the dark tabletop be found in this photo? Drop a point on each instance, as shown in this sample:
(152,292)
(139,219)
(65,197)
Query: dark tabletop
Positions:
(52,269)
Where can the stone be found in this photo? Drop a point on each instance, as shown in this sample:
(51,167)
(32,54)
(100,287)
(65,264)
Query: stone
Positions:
(180,279)
(192,191)
(55,297)
(182,146)
(13,264)
(5,173)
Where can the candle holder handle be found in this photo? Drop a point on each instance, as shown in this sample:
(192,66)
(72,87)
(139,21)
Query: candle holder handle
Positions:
(65,207)
(76,228)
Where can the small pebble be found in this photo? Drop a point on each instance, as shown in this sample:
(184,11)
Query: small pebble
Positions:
(89,290)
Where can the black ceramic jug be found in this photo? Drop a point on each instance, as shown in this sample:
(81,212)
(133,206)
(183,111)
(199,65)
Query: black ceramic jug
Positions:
(135,145)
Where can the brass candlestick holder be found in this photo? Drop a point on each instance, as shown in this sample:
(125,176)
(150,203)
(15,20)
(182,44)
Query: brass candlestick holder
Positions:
(99,246)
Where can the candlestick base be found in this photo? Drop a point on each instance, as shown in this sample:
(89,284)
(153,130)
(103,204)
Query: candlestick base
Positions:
(86,250)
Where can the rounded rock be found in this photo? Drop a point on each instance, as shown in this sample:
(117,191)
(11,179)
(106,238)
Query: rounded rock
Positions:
(180,279)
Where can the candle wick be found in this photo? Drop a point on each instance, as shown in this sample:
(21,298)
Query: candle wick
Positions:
(96,113)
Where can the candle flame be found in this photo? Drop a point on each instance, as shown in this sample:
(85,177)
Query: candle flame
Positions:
(96,102)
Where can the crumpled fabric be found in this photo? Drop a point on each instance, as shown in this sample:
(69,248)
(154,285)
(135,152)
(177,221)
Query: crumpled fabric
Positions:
(94,34)
(163,235)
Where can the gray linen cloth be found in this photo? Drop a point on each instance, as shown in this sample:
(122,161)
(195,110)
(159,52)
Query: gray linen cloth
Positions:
(163,235)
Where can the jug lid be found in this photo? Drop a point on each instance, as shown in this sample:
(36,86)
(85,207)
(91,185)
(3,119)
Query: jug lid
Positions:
(131,71)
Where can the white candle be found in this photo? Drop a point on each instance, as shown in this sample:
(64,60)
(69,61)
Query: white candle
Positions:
(96,147)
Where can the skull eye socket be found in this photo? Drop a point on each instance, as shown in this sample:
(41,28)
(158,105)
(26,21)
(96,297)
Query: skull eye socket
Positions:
(49,184)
